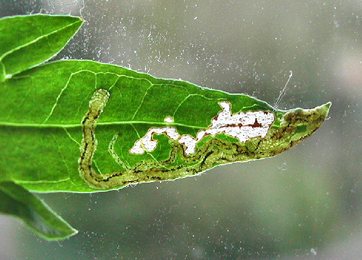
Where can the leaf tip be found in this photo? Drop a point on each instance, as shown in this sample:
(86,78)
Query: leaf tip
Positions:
(324,109)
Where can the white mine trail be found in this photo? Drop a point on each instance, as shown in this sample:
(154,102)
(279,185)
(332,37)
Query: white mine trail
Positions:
(242,126)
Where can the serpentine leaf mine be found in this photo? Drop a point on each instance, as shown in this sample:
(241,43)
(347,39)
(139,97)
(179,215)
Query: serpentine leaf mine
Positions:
(230,137)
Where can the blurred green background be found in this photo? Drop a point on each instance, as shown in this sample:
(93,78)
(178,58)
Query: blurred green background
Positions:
(303,204)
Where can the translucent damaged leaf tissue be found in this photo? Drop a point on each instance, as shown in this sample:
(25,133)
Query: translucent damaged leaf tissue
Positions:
(229,138)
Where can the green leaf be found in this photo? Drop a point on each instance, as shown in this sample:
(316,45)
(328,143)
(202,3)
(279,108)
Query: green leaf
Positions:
(18,202)
(50,143)
(83,126)
(27,41)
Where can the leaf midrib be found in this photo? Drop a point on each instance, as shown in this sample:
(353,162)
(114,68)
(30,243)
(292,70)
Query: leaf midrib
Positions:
(34,125)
